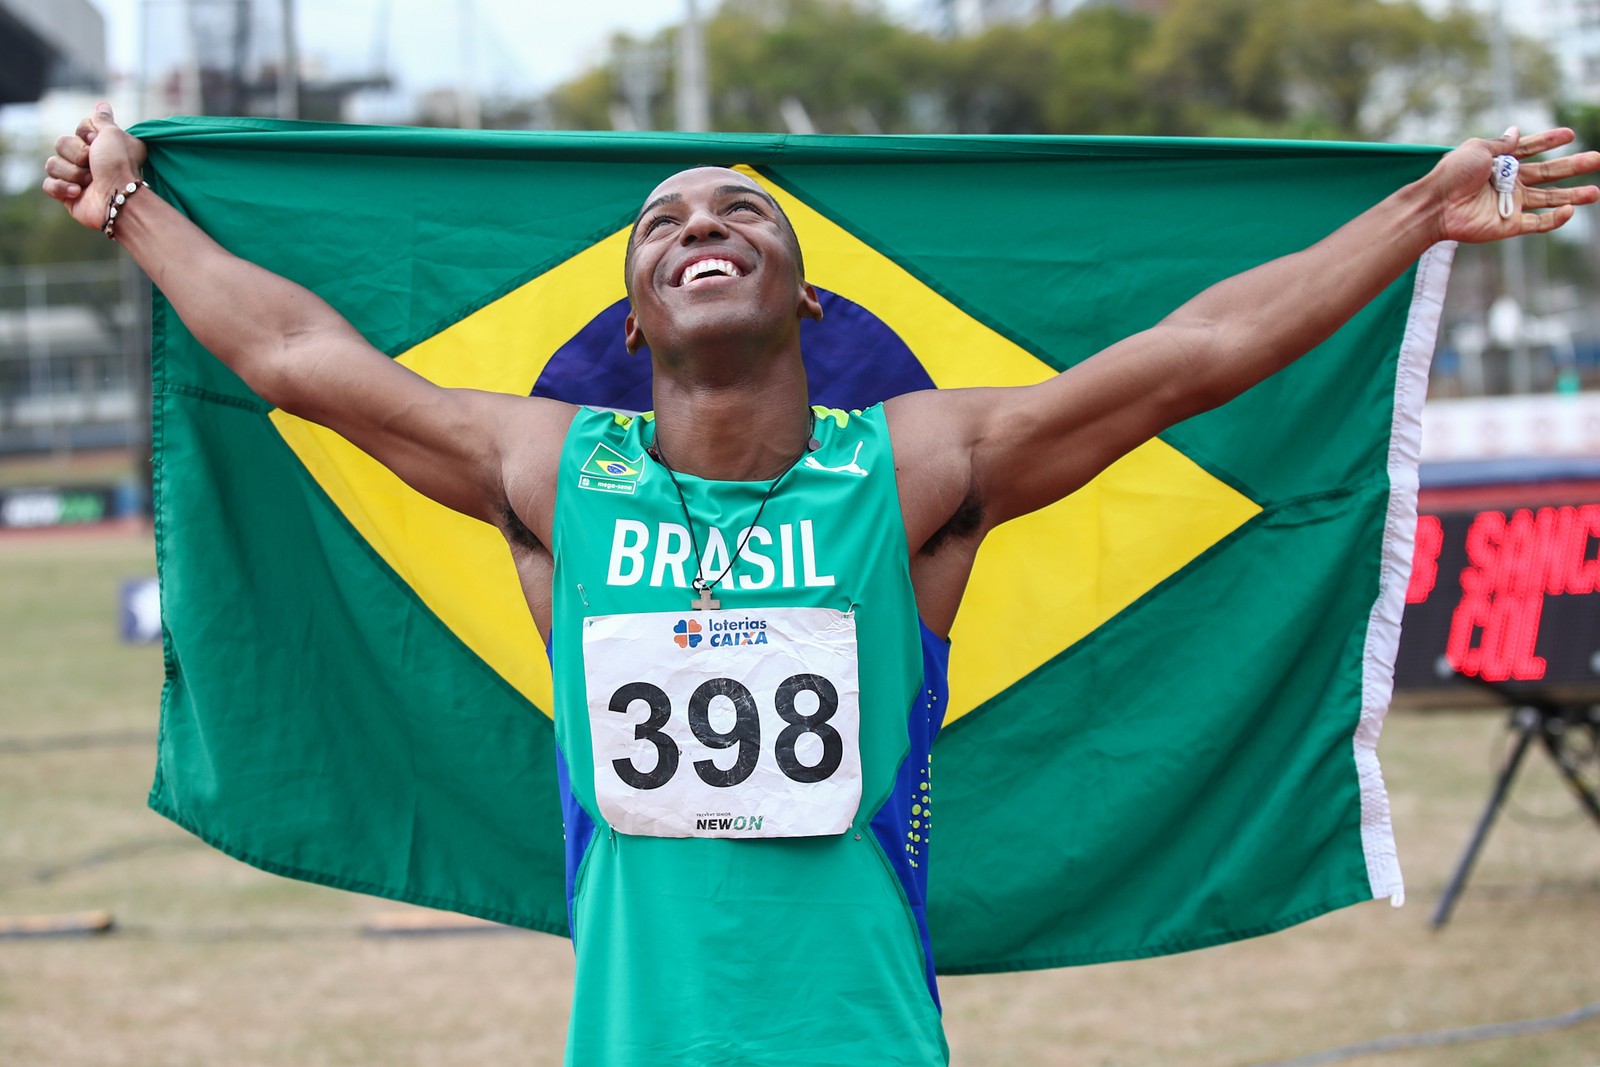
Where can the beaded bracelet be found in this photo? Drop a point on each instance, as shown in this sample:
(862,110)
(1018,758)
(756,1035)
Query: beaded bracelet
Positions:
(117,200)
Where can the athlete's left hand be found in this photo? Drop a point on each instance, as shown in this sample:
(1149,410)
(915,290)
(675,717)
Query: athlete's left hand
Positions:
(1469,206)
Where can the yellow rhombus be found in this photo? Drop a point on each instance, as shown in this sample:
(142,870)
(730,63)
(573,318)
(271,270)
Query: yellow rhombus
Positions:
(1041,583)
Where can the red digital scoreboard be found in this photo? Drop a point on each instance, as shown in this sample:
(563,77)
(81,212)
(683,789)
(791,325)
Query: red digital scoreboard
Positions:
(1505,588)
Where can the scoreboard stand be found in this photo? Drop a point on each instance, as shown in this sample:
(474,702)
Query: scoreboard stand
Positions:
(1505,593)
(1554,723)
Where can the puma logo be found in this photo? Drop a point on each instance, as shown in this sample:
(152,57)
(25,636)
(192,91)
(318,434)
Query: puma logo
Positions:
(849,468)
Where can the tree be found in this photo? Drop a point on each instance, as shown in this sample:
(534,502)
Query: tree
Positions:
(1354,69)
(851,68)
(34,229)
(1214,58)
(1348,69)
(1091,91)
(583,103)
(1064,75)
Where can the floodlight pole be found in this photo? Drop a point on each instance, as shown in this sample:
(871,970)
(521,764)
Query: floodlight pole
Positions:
(694,103)
(144,58)
(1514,282)
(190,99)
(289,64)
(468,107)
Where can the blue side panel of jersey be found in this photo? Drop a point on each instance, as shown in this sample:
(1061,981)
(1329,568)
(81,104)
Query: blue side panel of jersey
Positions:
(902,824)
(577,830)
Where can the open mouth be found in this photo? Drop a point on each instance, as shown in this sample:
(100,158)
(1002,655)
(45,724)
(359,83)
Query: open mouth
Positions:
(709,268)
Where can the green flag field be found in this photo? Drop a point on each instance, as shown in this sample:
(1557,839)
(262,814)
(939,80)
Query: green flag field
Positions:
(1166,691)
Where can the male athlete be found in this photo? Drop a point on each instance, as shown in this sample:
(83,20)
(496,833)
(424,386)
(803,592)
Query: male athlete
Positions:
(744,835)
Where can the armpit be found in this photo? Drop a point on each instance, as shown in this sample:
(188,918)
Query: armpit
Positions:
(965,521)
(517,532)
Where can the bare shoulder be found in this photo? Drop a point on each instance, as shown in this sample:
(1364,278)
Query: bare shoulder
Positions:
(932,432)
(532,432)
(536,423)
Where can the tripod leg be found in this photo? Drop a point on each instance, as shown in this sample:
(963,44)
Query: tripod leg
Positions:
(1553,734)
(1528,723)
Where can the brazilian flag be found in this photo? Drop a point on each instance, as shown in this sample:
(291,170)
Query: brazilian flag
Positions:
(1165,690)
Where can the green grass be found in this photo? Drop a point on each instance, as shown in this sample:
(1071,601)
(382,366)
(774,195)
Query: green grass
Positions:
(216,963)
(62,665)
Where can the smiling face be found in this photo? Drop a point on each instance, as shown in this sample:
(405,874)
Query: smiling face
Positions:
(712,260)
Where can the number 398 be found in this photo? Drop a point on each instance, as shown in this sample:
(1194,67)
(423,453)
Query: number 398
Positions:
(745,734)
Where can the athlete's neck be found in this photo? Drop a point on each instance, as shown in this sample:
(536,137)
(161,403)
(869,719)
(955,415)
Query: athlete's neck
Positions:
(747,431)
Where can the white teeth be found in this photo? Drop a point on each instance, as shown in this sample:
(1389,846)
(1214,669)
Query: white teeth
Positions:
(707,266)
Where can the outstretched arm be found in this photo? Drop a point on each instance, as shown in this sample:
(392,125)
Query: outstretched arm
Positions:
(299,354)
(969,460)
(1208,351)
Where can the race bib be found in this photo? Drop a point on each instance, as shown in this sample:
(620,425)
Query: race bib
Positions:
(725,723)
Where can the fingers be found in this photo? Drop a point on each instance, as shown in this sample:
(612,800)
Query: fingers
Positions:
(1535,143)
(1513,143)
(63,181)
(1550,220)
(56,167)
(91,125)
(73,149)
(1535,199)
(100,118)
(1506,143)
(1556,169)
(66,192)
(1547,198)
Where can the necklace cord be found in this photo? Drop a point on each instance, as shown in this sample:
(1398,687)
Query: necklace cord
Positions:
(700,584)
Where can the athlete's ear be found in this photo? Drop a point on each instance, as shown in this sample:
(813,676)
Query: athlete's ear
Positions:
(632,335)
(810,306)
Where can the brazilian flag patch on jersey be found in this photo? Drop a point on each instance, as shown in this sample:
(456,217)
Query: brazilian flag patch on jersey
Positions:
(607,471)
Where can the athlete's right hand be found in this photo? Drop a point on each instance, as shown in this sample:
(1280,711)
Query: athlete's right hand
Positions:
(91,163)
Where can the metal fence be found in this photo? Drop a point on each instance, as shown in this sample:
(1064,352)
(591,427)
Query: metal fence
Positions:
(74,357)
(75,349)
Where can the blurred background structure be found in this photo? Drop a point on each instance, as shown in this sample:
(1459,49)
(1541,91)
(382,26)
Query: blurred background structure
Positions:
(49,45)
(73,348)
(1521,319)
(1511,443)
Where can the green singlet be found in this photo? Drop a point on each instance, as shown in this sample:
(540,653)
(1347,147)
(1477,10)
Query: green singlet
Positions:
(699,940)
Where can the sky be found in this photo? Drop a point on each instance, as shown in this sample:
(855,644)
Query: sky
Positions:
(521,46)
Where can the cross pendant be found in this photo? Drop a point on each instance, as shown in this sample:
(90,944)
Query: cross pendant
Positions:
(703,602)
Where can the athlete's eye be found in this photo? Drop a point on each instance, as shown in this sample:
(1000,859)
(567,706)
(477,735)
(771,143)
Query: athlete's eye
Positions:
(749,205)
(650,226)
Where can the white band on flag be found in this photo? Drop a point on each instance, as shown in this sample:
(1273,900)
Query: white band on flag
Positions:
(1399,536)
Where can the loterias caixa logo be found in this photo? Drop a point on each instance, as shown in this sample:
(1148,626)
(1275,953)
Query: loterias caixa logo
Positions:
(688,633)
